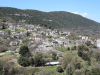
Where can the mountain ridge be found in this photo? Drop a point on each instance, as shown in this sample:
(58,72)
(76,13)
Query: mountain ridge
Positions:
(56,19)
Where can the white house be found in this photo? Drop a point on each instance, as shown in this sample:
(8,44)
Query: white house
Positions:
(14,43)
(52,63)
(98,42)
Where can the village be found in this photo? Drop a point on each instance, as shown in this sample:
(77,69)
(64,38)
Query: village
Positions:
(55,45)
(40,39)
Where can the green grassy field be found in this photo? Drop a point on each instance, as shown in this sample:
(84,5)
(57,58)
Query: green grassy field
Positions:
(18,30)
(6,55)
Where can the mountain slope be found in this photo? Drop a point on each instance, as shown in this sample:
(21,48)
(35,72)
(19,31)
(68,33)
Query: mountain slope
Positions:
(57,19)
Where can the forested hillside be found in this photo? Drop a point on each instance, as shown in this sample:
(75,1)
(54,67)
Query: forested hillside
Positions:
(56,19)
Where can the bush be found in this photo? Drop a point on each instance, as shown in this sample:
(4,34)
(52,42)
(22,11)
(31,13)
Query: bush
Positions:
(60,69)
(68,48)
(3,49)
(78,72)
(24,51)
(80,50)
(23,61)
(83,48)
(73,48)
(31,61)
(94,71)
(5,68)
(80,53)
(34,70)
(44,72)
(77,66)
(14,71)
(67,59)
(25,40)
(85,57)
(54,56)
(44,61)
(97,56)
(70,69)
(38,60)
(88,43)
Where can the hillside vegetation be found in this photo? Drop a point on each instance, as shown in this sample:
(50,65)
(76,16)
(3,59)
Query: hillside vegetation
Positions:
(56,19)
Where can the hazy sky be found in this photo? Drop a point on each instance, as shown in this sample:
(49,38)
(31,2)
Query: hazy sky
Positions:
(86,8)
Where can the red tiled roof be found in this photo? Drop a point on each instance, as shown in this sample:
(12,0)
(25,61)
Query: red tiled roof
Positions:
(33,45)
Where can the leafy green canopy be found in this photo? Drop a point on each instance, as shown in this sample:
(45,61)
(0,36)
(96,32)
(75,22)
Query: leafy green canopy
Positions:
(24,51)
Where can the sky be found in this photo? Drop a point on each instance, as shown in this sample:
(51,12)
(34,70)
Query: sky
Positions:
(86,8)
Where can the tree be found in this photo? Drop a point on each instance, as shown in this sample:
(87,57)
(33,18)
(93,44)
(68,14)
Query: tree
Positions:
(73,48)
(82,48)
(25,40)
(70,69)
(54,55)
(79,72)
(27,33)
(94,71)
(88,43)
(37,60)
(68,48)
(83,55)
(97,56)
(3,48)
(60,69)
(24,51)
(4,68)
(3,26)
(31,61)
(23,61)
(77,66)
(67,59)
(13,71)
(9,32)
(80,53)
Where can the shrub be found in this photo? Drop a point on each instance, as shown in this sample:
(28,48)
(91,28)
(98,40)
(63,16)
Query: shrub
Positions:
(34,70)
(3,49)
(70,69)
(44,72)
(80,53)
(83,48)
(77,66)
(68,48)
(25,40)
(54,55)
(44,61)
(23,61)
(14,71)
(38,60)
(94,71)
(97,56)
(73,48)
(60,69)
(4,68)
(24,51)
(95,46)
(49,36)
(31,61)
(67,59)
(78,72)
(88,43)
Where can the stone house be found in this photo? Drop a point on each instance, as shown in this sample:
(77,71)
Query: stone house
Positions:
(12,43)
